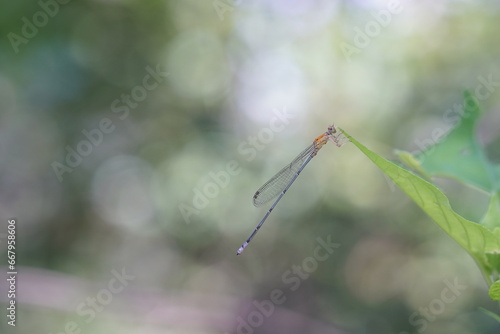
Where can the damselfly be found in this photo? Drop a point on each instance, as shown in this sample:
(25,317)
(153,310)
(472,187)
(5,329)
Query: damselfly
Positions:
(279,183)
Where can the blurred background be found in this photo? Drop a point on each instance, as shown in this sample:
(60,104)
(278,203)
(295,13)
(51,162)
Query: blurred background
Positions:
(133,136)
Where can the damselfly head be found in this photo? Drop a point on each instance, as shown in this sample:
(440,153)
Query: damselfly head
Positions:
(332,129)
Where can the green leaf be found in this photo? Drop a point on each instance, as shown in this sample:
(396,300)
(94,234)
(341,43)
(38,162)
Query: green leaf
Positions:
(409,160)
(491,219)
(473,237)
(493,264)
(495,291)
(457,155)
